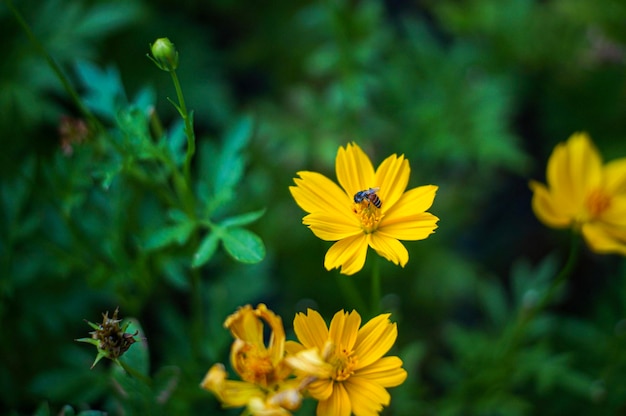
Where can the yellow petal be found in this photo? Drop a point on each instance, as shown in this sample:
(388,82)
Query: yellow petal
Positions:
(392,176)
(603,239)
(389,248)
(329,227)
(366,398)
(409,228)
(293,347)
(374,340)
(314,192)
(354,169)
(321,389)
(311,329)
(615,176)
(338,404)
(615,214)
(349,254)
(245,325)
(547,209)
(387,372)
(574,168)
(311,363)
(344,328)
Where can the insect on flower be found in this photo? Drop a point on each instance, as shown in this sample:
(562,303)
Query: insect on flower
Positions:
(370,195)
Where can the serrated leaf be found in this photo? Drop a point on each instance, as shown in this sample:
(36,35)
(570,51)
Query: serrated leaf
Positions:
(105,93)
(243,219)
(243,245)
(207,248)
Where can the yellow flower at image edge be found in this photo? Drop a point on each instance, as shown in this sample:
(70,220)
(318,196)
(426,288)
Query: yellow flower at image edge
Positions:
(265,388)
(370,209)
(584,194)
(346,363)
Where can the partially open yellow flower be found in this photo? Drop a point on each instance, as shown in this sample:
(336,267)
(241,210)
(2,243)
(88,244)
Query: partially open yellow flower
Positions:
(266,388)
(345,363)
(371,208)
(584,194)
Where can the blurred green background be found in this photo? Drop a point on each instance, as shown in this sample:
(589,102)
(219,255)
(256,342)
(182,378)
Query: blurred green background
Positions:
(474,93)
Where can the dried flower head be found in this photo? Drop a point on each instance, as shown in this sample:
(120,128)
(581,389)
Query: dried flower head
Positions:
(111,339)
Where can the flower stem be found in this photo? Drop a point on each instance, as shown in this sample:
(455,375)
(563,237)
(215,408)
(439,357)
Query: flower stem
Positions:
(528,314)
(134,373)
(565,272)
(346,284)
(191,138)
(53,65)
(375,287)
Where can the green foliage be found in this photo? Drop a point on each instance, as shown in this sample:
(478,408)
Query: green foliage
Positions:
(475,94)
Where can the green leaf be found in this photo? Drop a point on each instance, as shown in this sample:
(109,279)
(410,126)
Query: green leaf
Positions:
(163,237)
(230,163)
(243,245)
(243,219)
(105,93)
(206,249)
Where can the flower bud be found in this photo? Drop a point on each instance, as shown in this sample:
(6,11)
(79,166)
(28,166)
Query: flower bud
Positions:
(164,54)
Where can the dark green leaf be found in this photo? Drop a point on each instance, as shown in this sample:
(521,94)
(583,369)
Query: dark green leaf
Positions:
(243,245)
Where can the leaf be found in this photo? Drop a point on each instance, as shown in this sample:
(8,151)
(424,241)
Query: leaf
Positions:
(104,91)
(230,162)
(243,219)
(163,237)
(206,249)
(243,245)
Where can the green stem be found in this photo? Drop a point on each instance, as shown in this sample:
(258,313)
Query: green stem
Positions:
(197,326)
(565,272)
(375,287)
(134,373)
(191,138)
(346,284)
(53,65)
(528,314)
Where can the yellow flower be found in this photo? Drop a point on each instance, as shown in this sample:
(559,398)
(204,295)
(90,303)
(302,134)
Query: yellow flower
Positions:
(371,208)
(584,194)
(266,388)
(345,363)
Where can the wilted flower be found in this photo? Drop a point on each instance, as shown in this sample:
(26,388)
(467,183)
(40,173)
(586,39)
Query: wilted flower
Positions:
(111,340)
(346,363)
(584,194)
(266,387)
(371,208)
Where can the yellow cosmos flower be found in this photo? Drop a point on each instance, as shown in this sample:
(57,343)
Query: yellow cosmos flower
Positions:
(371,208)
(265,388)
(348,371)
(584,194)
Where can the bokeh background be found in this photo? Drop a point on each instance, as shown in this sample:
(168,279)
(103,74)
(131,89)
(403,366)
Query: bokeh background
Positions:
(475,93)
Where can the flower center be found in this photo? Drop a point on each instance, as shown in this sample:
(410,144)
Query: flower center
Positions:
(344,363)
(597,202)
(369,215)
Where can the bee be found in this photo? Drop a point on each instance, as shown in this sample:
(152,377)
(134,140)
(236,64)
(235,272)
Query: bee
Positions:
(370,195)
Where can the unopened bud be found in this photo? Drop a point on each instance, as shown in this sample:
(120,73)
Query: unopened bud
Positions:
(164,54)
